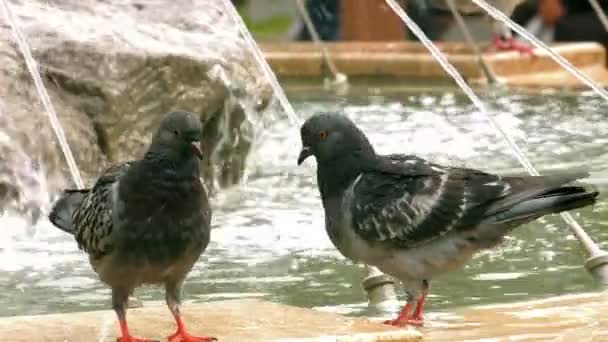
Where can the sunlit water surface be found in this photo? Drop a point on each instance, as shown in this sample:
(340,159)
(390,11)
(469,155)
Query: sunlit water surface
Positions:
(269,240)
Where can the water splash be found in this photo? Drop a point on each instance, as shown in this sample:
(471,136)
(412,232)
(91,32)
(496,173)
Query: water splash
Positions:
(23,184)
(42,92)
(27,246)
(259,57)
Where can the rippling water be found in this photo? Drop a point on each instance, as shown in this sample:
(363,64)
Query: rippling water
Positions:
(269,239)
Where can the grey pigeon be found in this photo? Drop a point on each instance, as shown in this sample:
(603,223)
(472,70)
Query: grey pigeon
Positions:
(145,221)
(414,219)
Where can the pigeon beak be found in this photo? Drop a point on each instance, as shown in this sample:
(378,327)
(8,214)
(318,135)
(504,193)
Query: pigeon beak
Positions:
(196,147)
(305,153)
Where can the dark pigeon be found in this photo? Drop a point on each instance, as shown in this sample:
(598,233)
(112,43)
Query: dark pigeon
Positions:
(414,219)
(145,221)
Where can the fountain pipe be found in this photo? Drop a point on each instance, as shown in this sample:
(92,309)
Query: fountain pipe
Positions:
(597,261)
(380,289)
(339,78)
(600,13)
(487,70)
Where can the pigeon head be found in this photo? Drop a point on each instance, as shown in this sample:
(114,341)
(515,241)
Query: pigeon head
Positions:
(332,137)
(179,134)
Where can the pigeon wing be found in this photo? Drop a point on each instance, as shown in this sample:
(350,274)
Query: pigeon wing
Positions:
(420,201)
(94,218)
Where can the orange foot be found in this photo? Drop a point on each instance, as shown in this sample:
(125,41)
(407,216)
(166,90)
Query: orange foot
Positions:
(130,338)
(182,336)
(417,322)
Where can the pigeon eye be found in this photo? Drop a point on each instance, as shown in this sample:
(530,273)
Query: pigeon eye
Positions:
(322,135)
(176,132)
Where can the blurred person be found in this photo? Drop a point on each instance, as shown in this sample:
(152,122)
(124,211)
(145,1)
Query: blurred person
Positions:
(325,16)
(562,20)
(436,20)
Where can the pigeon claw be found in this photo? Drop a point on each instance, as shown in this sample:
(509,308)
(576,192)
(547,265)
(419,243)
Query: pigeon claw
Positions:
(130,338)
(417,322)
(126,336)
(182,336)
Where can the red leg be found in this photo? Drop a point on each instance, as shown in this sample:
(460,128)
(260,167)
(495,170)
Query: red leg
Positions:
(417,315)
(402,317)
(126,336)
(181,335)
(119,303)
(416,318)
(172,296)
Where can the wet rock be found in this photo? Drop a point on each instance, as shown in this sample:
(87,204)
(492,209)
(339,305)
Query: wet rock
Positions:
(113,68)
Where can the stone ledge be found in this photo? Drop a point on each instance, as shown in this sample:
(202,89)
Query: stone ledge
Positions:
(412,60)
(248,320)
(575,317)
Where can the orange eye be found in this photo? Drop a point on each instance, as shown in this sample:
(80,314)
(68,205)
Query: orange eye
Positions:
(322,135)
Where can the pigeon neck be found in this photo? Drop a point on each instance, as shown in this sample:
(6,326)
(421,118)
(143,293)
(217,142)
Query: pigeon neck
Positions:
(173,164)
(335,176)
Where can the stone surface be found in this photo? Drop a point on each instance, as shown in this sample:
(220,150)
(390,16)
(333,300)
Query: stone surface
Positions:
(559,79)
(229,321)
(114,67)
(580,317)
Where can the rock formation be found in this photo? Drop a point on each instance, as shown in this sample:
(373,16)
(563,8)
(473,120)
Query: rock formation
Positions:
(113,67)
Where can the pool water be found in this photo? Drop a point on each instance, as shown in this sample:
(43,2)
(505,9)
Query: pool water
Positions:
(269,241)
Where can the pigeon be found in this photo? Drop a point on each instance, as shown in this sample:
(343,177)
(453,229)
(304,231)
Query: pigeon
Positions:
(145,221)
(414,219)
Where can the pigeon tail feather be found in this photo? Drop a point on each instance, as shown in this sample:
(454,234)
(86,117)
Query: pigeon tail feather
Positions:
(63,210)
(526,188)
(552,202)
